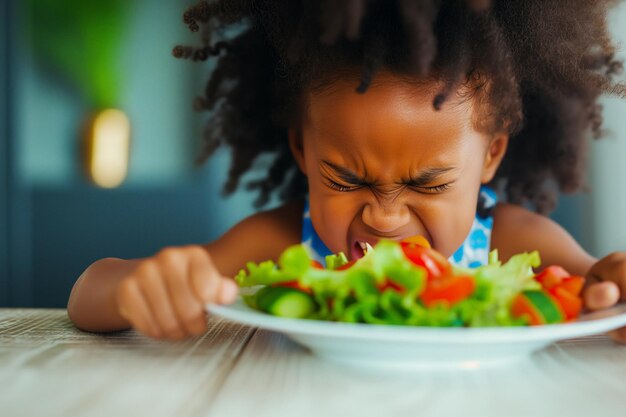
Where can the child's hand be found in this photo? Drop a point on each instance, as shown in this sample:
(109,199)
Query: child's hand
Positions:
(608,286)
(165,294)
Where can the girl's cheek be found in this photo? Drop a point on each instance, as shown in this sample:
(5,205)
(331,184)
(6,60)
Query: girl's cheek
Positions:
(448,224)
(335,215)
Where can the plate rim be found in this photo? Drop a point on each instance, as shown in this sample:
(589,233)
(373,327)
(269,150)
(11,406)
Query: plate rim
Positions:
(240,312)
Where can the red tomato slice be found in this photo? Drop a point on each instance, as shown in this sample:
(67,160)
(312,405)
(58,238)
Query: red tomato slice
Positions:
(570,303)
(432,261)
(551,276)
(449,290)
(573,284)
(388,284)
(294,284)
(345,266)
(418,240)
(315,264)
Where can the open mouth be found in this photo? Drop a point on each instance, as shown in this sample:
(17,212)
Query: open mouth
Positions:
(359,249)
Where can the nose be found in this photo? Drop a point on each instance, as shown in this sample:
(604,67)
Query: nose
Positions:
(386,218)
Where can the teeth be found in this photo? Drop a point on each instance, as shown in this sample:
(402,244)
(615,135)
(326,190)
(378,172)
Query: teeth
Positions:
(366,247)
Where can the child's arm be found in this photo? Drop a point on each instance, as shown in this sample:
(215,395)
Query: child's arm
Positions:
(164,295)
(519,230)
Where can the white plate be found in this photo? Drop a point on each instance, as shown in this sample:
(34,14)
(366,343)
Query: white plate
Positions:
(408,348)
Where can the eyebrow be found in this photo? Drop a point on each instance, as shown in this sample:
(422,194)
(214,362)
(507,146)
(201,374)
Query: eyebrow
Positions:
(425,177)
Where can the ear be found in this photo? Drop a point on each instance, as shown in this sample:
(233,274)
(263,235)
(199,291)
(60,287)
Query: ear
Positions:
(495,153)
(296,145)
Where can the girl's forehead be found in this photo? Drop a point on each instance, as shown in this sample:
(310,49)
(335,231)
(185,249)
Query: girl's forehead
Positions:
(389,96)
(391,119)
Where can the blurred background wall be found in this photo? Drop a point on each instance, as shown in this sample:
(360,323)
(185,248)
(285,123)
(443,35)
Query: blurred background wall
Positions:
(58,223)
(54,223)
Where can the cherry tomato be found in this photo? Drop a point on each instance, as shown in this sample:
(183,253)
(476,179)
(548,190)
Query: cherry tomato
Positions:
(551,276)
(432,261)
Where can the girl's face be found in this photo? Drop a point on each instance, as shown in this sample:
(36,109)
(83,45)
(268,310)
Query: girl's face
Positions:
(385,164)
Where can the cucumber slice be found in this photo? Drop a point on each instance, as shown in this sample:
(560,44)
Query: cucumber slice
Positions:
(285,302)
(336,261)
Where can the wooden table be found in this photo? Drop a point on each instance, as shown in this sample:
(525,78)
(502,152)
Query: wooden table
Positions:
(48,368)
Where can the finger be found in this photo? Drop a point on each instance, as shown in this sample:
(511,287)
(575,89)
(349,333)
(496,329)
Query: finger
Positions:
(619,335)
(134,308)
(155,291)
(601,295)
(229,291)
(204,276)
(189,310)
(611,268)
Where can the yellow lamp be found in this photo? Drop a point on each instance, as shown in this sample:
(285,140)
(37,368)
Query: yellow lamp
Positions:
(106,148)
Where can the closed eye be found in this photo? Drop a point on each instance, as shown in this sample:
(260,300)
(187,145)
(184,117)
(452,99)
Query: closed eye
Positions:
(339,187)
(436,189)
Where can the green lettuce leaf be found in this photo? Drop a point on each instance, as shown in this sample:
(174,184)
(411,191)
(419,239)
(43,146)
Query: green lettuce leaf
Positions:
(496,286)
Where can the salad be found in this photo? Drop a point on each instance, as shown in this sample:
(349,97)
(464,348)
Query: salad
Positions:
(409,283)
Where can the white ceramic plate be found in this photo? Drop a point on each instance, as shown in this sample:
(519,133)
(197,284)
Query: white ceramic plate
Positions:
(408,348)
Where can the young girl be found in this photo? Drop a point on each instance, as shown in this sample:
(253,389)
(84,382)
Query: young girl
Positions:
(386,120)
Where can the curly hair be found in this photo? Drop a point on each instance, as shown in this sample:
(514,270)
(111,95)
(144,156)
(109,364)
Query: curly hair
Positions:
(537,68)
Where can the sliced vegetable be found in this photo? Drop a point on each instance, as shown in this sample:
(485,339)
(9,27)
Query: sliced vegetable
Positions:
(335,261)
(316,264)
(499,284)
(551,276)
(538,307)
(418,240)
(573,284)
(295,284)
(565,289)
(570,303)
(432,261)
(388,284)
(448,291)
(345,266)
(285,302)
